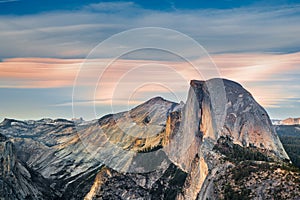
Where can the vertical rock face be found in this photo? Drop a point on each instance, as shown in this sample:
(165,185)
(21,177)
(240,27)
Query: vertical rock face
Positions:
(185,136)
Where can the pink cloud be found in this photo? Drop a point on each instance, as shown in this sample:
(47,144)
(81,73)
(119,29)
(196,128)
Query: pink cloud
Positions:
(38,72)
(255,67)
(125,79)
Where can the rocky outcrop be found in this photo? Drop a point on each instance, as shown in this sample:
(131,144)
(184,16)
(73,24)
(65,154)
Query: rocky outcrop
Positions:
(38,145)
(239,116)
(213,109)
(249,173)
(110,184)
(17,180)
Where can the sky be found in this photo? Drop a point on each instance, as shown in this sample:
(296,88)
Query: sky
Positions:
(54,54)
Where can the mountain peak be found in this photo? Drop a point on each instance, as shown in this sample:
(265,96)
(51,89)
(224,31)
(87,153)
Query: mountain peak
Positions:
(214,81)
(195,83)
(153,103)
(7,122)
(155,100)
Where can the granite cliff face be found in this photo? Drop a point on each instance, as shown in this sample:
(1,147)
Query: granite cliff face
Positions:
(216,108)
(158,150)
(238,115)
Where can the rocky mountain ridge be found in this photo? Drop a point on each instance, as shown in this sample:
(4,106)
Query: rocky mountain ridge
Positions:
(287,121)
(158,150)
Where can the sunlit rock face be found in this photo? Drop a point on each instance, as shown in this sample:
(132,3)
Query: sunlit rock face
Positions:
(131,141)
(70,154)
(184,133)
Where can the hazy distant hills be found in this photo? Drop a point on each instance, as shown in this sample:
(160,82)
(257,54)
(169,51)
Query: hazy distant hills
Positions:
(219,144)
(288,121)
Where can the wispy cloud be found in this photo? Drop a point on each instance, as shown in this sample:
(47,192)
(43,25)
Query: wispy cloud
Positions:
(249,67)
(37,72)
(111,6)
(8,1)
(74,34)
(267,76)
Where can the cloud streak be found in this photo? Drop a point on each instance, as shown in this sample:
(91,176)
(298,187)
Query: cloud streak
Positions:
(267,76)
(8,1)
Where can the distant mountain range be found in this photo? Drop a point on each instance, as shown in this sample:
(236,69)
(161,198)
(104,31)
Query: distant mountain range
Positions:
(219,144)
(288,121)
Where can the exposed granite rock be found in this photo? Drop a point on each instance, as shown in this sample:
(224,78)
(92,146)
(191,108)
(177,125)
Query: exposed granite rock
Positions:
(115,140)
(213,109)
(249,173)
(243,119)
(110,184)
(38,144)
(17,181)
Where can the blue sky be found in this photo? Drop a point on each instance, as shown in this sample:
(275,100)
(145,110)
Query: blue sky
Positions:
(23,7)
(43,44)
